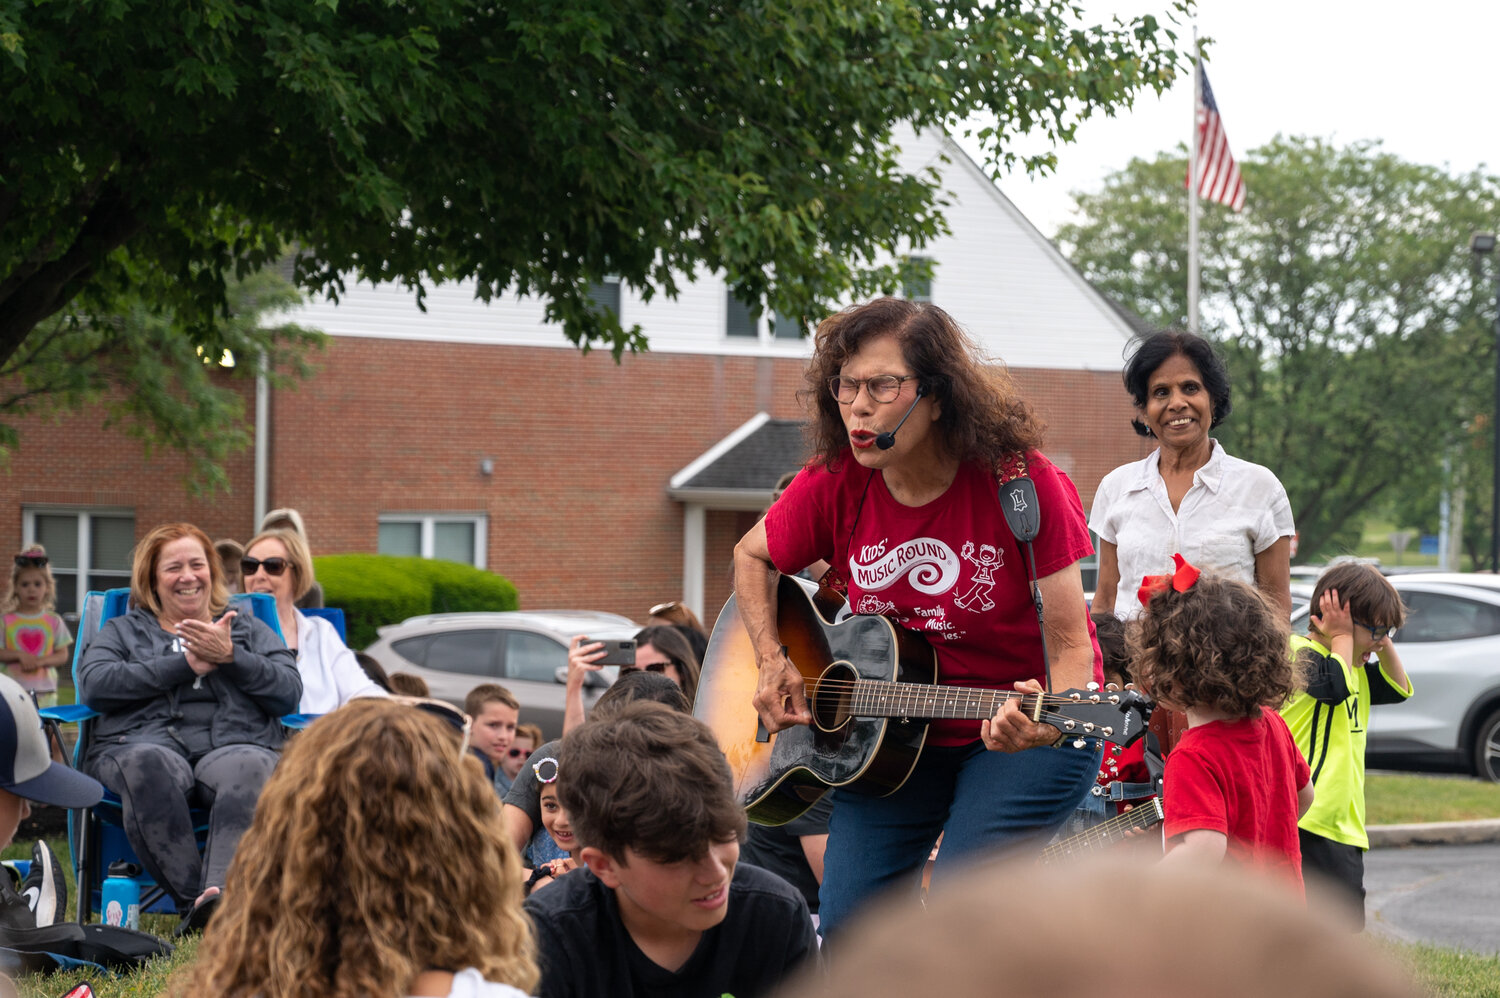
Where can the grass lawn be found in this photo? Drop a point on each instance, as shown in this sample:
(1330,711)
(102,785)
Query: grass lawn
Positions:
(1398,799)
(1446,973)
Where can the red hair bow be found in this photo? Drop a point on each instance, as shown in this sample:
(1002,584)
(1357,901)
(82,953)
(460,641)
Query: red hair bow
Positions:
(1181,580)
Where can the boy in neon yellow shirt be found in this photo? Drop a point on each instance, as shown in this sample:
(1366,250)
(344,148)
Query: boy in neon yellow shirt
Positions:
(1355,611)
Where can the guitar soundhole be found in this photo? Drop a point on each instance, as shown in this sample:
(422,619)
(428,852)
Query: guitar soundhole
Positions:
(830,701)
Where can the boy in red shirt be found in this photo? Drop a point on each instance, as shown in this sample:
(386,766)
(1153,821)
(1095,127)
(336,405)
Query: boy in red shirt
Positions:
(1235,784)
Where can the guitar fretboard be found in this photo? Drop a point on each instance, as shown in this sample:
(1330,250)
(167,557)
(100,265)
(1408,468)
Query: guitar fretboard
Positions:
(1090,840)
(880,698)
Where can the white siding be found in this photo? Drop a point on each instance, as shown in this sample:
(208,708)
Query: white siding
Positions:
(996,274)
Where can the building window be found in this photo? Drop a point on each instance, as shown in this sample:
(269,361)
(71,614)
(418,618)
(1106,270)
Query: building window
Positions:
(448,536)
(916,278)
(786,327)
(86,548)
(1090,566)
(605,295)
(740,320)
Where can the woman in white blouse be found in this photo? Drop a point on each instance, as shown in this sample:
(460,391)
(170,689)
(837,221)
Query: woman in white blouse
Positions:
(1222,514)
(278,562)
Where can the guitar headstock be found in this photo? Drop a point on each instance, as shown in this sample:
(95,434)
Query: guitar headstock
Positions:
(1113,715)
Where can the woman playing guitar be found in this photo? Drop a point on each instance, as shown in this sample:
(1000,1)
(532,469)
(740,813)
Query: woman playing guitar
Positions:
(914,526)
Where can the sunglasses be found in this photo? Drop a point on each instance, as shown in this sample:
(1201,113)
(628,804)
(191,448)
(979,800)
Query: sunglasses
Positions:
(273,566)
(460,721)
(519,753)
(649,667)
(545,770)
(30,560)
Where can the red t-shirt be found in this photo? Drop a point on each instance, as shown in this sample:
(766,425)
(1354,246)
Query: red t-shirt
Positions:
(1127,765)
(1240,778)
(951,569)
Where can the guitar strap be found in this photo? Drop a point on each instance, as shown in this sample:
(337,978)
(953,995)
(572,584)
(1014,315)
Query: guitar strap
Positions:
(1023,514)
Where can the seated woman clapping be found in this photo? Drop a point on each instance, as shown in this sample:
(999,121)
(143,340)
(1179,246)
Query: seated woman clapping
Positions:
(190,698)
(278,562)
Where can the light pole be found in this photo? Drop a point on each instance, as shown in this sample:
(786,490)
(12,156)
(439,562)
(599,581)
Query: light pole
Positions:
(1482,244)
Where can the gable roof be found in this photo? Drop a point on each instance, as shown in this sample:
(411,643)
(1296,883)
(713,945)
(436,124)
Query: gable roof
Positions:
(741,470)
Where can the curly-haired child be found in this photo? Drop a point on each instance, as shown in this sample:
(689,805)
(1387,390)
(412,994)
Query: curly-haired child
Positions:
(1236,783)
(37,642)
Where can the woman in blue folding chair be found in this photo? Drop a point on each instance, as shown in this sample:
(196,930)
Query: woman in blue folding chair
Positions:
(190,698)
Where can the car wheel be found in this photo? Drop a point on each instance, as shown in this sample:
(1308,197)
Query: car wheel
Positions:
(1487,748)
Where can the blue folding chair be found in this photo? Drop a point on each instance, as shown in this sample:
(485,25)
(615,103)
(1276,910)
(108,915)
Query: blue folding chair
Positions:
(96,836)
(333,615)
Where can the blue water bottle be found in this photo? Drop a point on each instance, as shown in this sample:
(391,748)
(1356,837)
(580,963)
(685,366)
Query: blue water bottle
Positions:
(121,895)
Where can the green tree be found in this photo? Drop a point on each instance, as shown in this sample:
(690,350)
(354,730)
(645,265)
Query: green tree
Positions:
(148,149)
(1356,335)
(152,379)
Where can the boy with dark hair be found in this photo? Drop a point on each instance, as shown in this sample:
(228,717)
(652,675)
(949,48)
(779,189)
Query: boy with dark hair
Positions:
(663,908)
(495,712)
(1355,608)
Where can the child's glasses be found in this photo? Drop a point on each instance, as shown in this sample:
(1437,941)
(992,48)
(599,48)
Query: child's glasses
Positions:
(30,560)
(1376,633)
(545,769)
(460,721)
(518,753)
(273,566)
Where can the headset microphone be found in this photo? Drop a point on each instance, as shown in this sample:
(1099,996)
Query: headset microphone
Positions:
(887,440)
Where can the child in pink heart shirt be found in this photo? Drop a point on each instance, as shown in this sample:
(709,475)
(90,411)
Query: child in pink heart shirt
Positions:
(36,641)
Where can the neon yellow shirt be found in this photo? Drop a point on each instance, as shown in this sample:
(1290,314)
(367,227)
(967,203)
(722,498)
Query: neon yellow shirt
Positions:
(1332,739)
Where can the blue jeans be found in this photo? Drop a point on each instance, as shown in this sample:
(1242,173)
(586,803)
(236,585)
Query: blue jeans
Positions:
(981,801)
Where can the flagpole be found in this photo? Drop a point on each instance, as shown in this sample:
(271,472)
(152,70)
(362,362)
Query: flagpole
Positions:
(1193,179)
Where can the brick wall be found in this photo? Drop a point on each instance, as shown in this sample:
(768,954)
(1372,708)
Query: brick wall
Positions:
(582,451)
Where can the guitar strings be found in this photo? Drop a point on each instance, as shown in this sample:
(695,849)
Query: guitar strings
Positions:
(947,692)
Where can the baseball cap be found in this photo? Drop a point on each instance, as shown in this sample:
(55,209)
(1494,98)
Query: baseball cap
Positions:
(26,766)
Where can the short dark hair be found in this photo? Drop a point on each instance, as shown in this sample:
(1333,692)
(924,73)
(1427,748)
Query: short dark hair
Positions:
(640,685)
(1110,630)
(1155,350)
(650,780)
(488,693)
(671,642)
(1220,644)
(374,670)
(1368,594)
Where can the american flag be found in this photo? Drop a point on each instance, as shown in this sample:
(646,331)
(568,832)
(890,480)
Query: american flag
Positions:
(1219,174)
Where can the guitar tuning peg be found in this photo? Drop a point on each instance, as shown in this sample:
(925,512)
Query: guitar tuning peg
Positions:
(1091,686)
(1088,725)
(1111,687)
(1079,743)
(1107,731)
(1074,696)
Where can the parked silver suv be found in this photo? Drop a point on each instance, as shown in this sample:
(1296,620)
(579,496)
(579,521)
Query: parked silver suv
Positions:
(526,651)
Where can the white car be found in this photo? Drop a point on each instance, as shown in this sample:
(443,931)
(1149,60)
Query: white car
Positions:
(1450,646)
(526,651)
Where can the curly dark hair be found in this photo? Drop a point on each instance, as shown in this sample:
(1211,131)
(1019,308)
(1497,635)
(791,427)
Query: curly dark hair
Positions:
(983,415)
(1219,645)
(1154,350)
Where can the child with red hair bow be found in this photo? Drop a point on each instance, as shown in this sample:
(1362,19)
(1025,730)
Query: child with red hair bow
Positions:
(1236,784)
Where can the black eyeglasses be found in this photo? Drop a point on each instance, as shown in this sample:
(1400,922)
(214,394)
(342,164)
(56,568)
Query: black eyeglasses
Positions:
(882,388)
(30,560)
(273,566)
(1376,633)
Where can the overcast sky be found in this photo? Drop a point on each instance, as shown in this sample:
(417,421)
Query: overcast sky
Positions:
(1423,77)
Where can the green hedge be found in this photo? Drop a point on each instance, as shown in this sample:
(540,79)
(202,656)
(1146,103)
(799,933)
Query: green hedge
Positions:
(377,589)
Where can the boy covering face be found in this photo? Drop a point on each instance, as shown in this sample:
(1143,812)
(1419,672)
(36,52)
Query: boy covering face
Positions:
(663,907)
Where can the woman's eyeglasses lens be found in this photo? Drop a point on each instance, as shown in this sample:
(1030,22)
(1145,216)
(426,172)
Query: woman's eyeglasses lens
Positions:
(882,388)
(273,566)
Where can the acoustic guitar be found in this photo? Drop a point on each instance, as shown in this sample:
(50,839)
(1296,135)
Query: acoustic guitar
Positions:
(1146,814)
(871,687)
